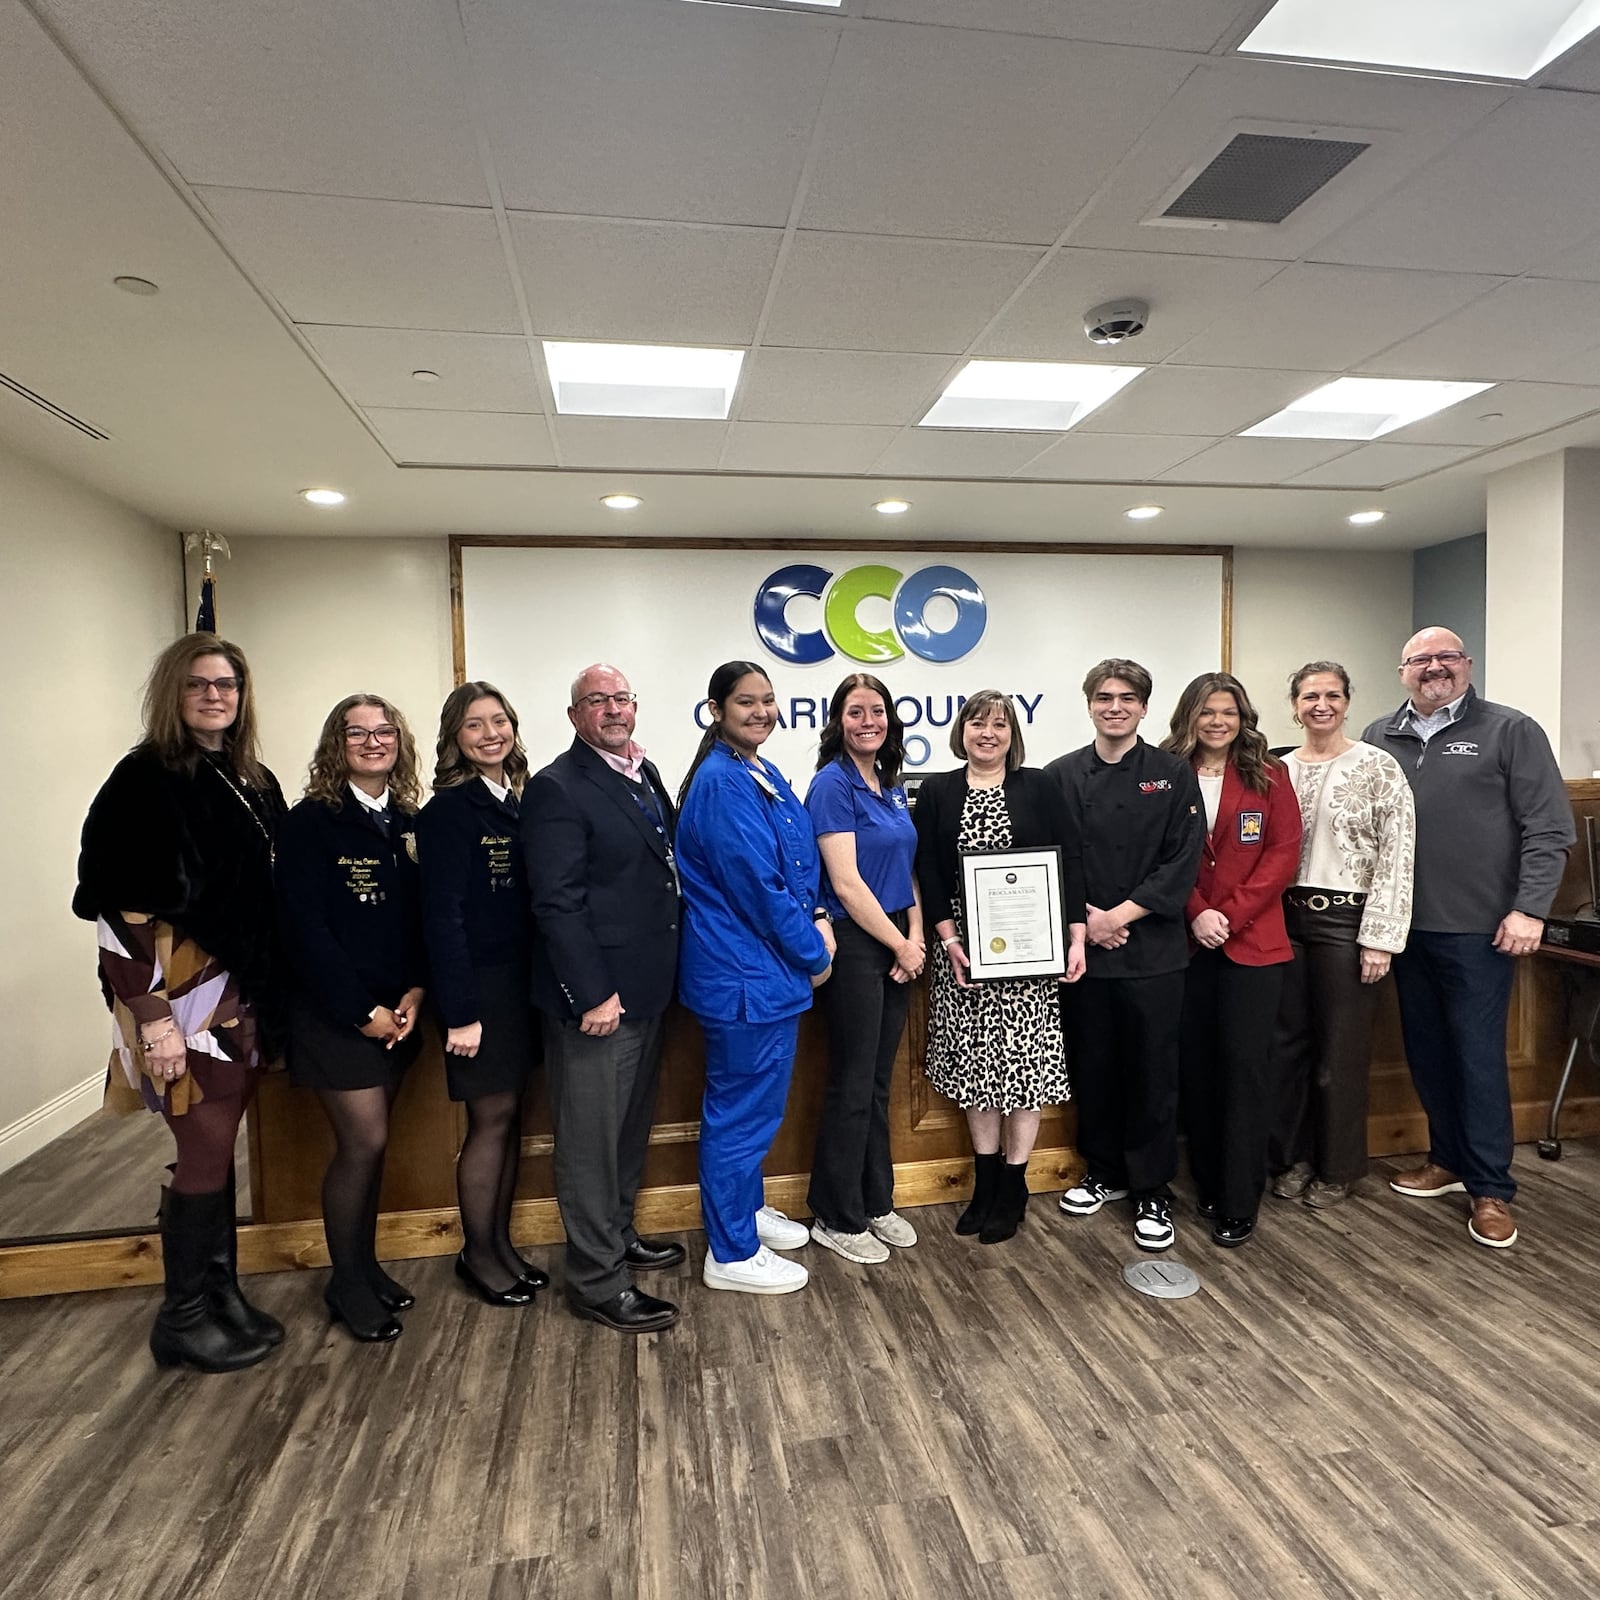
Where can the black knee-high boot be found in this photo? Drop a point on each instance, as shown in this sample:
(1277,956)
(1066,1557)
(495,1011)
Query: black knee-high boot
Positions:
(187,1329)
(1010,1201)
(985,1182)
(228,1304)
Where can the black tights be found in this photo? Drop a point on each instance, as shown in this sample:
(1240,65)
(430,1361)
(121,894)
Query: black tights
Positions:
(205,1136)
(350,1186)
(486,1182)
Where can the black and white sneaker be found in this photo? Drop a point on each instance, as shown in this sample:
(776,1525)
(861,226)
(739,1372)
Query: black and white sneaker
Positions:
(1087,1197)
(1152,1224)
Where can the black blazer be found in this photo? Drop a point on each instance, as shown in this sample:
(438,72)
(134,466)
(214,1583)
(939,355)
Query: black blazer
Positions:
(604,892)
(350,906)
(474,896)
(1039,816)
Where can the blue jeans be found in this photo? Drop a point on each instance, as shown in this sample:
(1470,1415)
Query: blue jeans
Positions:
(1455,992)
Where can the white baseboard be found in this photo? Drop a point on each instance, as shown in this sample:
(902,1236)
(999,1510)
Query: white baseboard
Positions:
(49,1121)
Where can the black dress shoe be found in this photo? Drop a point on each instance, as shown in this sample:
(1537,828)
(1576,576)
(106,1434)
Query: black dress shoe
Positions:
(1232,1231)
(629,1311)
(362,1324)
(649,1255)
(392,1296)
(1205,1209)
(519,1294)
(535,1279)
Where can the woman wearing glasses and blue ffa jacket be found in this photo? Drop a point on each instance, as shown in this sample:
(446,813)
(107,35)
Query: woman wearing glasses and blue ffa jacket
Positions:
(756,941)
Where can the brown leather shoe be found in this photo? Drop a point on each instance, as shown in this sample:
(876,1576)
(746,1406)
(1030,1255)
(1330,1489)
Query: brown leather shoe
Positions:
(1491,1223)
(1427,1181)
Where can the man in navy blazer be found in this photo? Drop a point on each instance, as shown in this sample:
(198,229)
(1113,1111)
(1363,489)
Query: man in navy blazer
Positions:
(597,831)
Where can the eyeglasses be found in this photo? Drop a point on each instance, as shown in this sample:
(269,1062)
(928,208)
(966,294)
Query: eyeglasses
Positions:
(385,734)
(1445,658)
(621,701)
(221,685)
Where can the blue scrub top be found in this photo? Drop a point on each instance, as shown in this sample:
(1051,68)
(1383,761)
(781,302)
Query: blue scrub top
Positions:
(839,801)
(748,861)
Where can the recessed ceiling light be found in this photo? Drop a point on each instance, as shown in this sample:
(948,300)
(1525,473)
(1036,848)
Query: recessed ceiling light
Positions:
(425,375)
(891,508)
(1362,408)
(1364,519)
(1487,38)
(641,380)
(1143,513)
(1041,396)
(323,497)
(620,502)
(132,285)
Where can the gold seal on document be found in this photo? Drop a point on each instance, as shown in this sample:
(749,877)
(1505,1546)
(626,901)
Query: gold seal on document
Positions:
(997,946)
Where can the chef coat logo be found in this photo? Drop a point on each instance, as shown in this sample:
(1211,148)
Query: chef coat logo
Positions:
(1250,826)
(1155,785)
(1461,747)
(842,629)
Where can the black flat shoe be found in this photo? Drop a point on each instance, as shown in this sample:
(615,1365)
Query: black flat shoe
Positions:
(1205,1209)
(535,1279)
(392,1296)
(650,1255)
(629,1311)
(520,1294)
(363,1328)
(1230,1232)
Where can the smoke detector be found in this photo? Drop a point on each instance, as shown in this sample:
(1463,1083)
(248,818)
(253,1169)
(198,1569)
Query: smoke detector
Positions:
(1116,321)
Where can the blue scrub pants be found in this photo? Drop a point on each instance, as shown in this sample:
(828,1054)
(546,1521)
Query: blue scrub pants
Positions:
(748,1065)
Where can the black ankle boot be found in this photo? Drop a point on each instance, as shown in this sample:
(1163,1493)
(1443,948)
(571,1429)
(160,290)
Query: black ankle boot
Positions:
(187,1329)
(985,1183)
(1010,1201)
(227,1301)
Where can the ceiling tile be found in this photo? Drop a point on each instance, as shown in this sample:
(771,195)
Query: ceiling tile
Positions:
(477,372)
(1198,400)
(1499,415)
(1519,330)
(671,444)
(850,292)
(463,438)
(1581,261)
(1194,25)
(1256,460)
(1579,70)
(609,108)
(285,96)
(802,447)
(661,282)
(843,386)
(1111,458)
(1376,466)
(372,263)
(958,453)
(1328,318)
(1185,295)
(915,140)
(1532,155)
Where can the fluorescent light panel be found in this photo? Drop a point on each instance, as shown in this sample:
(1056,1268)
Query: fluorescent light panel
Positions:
(1362,408)
(1037,396)
(1487,38)
(641,380)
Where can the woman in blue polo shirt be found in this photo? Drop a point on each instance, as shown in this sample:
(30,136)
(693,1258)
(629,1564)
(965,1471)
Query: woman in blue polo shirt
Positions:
(756,941)
(868,844)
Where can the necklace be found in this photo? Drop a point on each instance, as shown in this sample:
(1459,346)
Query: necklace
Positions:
(244,800)
(1213,772)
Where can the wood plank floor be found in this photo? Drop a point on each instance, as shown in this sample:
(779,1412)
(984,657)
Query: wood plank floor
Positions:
(1361,1403)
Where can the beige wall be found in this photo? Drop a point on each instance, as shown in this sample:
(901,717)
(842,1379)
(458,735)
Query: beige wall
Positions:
(90,593)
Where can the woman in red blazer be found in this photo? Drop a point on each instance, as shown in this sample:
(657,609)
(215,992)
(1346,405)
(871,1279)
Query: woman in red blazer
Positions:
(1241,949)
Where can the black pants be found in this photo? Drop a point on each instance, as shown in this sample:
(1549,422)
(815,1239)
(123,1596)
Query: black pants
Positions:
(1229,1013)
(852,1171)
(1323,1047)
(1123,1034)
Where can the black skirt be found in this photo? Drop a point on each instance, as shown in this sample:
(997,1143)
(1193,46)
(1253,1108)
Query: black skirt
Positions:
(510,1045)
(323,1055)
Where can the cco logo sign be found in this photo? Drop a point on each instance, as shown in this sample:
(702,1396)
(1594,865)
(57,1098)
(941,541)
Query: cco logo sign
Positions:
(842,629)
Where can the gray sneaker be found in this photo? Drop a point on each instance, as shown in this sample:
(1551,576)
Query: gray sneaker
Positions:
(1320,1196)
(893,1229)
(1292,1184)
(862,1247)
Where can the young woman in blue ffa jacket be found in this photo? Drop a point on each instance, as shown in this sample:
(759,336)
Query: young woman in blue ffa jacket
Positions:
(869,846)
(1235,978)
(756,941)
(478,926)
(350,909)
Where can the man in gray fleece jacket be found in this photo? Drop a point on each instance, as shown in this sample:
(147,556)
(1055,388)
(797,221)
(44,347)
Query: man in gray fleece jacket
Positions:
(1493,829)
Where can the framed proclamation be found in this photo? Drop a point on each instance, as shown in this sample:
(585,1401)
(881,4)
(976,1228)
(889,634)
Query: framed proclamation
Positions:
(1013,907)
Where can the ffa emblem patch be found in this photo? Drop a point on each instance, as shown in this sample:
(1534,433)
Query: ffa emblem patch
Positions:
(1250,827)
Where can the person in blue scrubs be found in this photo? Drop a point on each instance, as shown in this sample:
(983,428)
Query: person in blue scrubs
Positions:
(869,845)
(756,941)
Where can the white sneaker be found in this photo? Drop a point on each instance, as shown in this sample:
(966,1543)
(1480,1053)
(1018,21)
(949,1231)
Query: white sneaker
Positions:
(862,1247)
(763,1273)
(778,1232)
(893,1229)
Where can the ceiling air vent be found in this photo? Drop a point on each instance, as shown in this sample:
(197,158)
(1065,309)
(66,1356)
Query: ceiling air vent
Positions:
(50,408)
(1260,178)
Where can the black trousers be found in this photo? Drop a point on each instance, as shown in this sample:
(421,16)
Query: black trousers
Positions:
(1123,1034)
(1229,1013)
(1323,1048)
(852,1171)
(602,1099)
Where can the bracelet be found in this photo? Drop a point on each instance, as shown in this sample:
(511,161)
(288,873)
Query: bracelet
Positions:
(144,1043)
(955,938)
